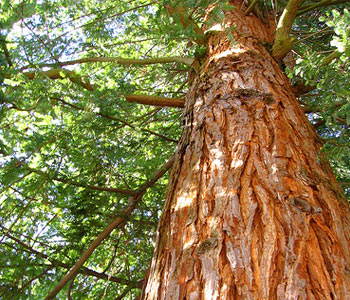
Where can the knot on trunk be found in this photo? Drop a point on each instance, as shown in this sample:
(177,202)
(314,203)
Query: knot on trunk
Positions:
(304,206)
(247,94)
(206,245)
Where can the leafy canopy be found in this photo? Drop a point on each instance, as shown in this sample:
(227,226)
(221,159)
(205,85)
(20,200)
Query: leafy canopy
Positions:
(73,150)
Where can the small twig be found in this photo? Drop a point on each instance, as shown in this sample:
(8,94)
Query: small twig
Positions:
(305,9)
(34,106)
(21,16)
(70,288)
(114,255)
(44,228)
(99,19)
(124,293)
(326,30)
(80,184)
(22,212)
(34,278)
(6,52)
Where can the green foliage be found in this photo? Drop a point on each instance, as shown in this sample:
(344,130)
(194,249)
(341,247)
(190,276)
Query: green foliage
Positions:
(59,141)
(55,129)
(330,101)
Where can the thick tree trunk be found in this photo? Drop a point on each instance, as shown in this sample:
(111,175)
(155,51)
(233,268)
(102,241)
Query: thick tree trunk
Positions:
(251,212)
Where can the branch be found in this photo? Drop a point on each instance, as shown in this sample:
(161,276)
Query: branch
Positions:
(22,211)
(72,28)
(301,88)
(251,7)
(35,278)
(116,222)
(116,119)
(69,297)
(327,60)
(324,31)
(323,3)
(61,74)
(320,122)
(114,255)
(156,101)
(118,60)
(84,271)
(15,107)
(283,42)
(6,52)
(88,186)
(309,109)
(123,294)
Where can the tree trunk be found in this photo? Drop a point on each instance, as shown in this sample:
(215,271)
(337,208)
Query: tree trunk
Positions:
(252,211)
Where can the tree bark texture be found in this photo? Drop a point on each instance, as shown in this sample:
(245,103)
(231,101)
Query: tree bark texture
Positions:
(252,211)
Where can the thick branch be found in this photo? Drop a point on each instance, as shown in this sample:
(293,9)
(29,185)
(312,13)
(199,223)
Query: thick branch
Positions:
(156,101)
(283,42)
(116,222)
(60,73)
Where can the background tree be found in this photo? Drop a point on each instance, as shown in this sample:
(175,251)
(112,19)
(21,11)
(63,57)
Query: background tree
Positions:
(80,159)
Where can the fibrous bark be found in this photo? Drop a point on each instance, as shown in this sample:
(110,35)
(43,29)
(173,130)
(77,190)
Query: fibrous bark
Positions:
(252,211)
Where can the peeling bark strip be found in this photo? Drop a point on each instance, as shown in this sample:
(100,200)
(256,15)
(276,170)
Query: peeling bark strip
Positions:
(250,213)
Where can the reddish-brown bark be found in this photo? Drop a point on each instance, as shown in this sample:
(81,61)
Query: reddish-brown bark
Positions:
(252,211)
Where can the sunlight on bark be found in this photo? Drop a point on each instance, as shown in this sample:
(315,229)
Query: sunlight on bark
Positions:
(183,202)
(228,52)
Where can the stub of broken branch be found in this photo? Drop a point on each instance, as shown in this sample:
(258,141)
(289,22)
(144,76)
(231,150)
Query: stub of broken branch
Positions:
(156,101)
